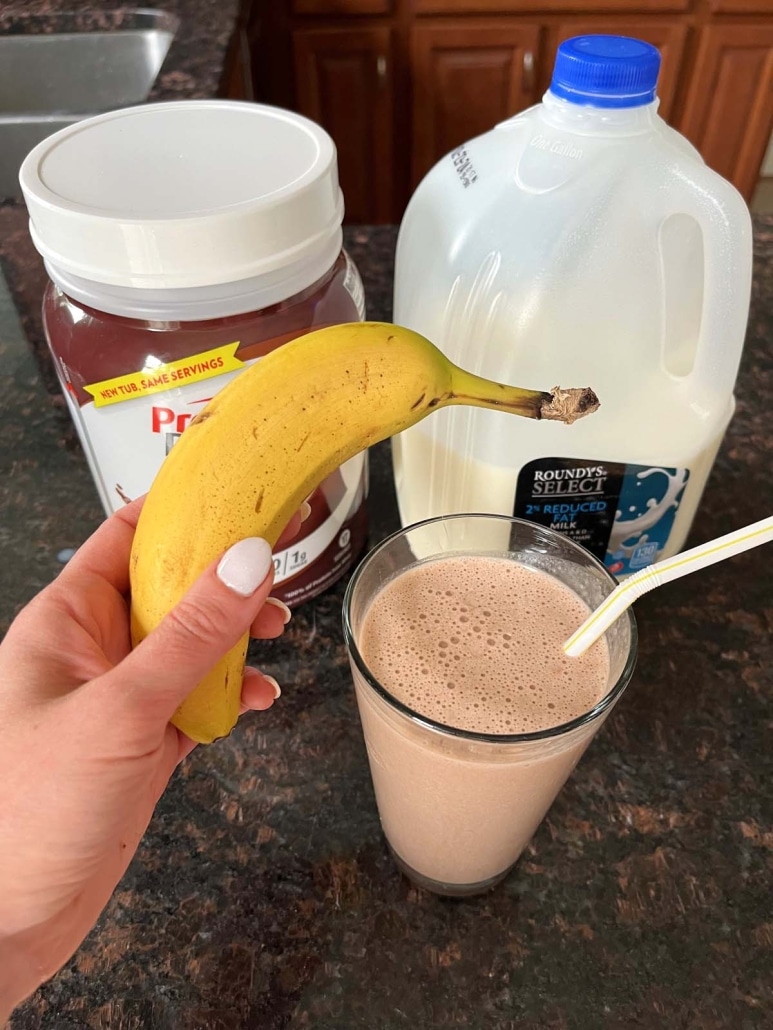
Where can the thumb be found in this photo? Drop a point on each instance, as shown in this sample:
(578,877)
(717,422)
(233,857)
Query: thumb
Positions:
(209,620)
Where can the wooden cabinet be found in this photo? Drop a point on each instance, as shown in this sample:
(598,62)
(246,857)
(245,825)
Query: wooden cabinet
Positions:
(344,82)
(542,6)
(341,6)
(729,111)
(400,83)
(466,79)
(741,6)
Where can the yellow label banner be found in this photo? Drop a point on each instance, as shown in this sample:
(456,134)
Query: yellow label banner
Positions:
(167,376)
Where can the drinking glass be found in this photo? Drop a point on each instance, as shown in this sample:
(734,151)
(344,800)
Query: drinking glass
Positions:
(458,807)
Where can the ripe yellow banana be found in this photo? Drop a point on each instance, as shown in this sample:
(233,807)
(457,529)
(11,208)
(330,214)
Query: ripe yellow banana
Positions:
(262,444)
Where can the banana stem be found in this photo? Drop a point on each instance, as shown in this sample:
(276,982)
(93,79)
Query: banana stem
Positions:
(559,405)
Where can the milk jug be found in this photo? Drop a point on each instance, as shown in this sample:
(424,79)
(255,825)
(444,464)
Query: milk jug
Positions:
(580,243)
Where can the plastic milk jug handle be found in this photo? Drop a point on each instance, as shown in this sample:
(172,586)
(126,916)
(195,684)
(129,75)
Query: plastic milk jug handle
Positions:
(725,224)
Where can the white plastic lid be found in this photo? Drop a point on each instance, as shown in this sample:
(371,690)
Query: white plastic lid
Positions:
(183,194)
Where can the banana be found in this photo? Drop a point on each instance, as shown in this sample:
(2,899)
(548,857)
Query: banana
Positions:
(262,444)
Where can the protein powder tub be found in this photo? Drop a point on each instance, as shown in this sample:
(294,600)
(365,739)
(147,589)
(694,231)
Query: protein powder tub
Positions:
(184,241)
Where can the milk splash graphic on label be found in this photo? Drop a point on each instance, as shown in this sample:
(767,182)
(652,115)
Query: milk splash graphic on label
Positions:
(628,534)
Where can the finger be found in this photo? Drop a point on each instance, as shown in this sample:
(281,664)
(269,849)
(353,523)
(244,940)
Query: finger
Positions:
(293,527)
(106,552)
(214,615)
(270,620)
(259,691)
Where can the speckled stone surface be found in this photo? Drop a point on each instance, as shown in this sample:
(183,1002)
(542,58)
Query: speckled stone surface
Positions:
(263,896)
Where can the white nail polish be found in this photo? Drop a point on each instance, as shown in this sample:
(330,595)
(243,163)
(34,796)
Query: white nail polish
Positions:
(276,603)
(244,566)
(274,684)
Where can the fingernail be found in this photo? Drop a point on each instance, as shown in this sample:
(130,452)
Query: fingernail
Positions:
(244,566)
(274,684)
(286,613)
(305,510)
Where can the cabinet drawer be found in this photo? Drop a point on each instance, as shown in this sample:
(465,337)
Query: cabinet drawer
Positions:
(344,7)
(741,6)
(542,6)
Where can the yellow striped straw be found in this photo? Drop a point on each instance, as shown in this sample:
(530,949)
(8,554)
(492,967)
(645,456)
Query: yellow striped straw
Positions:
(642,582)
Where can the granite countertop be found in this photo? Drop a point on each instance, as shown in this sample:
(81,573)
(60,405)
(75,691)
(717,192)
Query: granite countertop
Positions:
(263,896)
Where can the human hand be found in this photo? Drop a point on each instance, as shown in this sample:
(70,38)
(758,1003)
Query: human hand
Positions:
(86,746)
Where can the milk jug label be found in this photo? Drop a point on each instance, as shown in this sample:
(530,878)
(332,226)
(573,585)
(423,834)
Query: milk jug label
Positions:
(623,514)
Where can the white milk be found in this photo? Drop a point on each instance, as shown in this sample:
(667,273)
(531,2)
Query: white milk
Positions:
(581,243)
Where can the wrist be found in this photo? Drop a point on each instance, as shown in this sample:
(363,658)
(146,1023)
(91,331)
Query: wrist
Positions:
(8,996)
(18,979)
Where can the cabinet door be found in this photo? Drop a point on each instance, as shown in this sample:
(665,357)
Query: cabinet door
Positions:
(466,78)
(729,110)
(668,36)
(344,82)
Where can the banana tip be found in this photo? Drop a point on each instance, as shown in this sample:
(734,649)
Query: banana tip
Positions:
(569,405)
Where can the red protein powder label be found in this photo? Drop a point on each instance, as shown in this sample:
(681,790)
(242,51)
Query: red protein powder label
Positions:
(132,392)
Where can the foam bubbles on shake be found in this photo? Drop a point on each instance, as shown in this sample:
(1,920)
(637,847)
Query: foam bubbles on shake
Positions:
(475,642)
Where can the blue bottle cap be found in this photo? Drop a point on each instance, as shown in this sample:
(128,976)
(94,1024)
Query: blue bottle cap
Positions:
(606,71)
